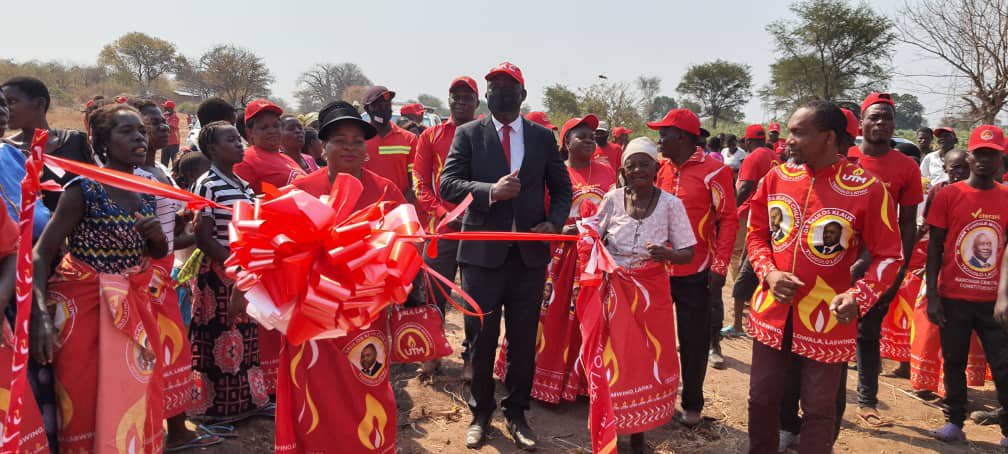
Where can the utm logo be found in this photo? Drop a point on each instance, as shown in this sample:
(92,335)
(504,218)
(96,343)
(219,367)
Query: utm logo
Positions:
(412,343)
(987,135)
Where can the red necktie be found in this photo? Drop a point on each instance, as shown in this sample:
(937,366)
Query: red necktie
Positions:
(506,143)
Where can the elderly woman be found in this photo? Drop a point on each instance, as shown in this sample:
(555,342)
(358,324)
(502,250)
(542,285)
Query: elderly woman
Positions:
(628,323)
(338,389)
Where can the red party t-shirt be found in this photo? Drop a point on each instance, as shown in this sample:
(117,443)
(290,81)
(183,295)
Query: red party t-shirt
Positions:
(392,156)
(754,167)
(273,167)
(974,222)
(610,153)
(899,173)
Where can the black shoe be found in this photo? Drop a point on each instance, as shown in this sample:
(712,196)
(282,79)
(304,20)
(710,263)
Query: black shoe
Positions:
(522,434)
(467,370)
(715,359)
(476,434)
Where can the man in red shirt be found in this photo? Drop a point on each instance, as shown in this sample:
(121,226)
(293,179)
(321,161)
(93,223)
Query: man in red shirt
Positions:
(413,115)
(621,136)
(967,222)
(168,153)
(774,141)
(759,161)
(702,184)
(431,151)
(902,180)
(605,150)
(390,153)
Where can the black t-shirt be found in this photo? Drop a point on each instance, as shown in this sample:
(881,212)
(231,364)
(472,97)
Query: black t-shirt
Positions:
(72,145)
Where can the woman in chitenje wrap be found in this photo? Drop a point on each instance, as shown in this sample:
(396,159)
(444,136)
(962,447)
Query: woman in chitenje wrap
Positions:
(92,316)
(644,229)
(558,374)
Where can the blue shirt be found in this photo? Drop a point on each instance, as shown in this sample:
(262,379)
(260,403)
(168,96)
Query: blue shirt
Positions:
(12,171)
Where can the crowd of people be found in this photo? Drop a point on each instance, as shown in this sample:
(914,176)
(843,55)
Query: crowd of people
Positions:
(836,240)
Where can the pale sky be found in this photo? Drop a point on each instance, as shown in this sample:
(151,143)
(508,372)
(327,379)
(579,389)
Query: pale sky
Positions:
(419,46)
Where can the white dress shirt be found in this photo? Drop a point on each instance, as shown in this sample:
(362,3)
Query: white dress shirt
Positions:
(517,140)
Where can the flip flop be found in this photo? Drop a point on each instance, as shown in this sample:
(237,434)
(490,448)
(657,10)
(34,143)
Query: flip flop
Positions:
(873,419)
(201,441)
(219,430)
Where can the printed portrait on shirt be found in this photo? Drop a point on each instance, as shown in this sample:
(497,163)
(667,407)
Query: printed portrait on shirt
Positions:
(368,355)
(827,236)
(978,248)
(781,215)
(548,294)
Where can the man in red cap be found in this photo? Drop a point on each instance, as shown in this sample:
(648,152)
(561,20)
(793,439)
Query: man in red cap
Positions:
(810,220)
(506,164)
(540,118)
(413,115)
(774,140)
(965,261)
(431,151)
(391,152)
(932,166)
(168,153)
(605,150)
(703,185)
(902,179)
(621,136)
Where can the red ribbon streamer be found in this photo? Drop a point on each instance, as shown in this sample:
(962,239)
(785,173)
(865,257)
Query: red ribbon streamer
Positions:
(30,188)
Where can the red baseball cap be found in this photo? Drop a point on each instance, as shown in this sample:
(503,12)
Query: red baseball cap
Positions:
(412,109)
(465,81)
(773,127)
(754,131)
(987,136)
(169,104)
(683,119)
(853,128)
(542,119)
(89,103)
(621,131)
(258,105)
(944,129)
(590,120)
(509,69)
(877,98)
(121,99)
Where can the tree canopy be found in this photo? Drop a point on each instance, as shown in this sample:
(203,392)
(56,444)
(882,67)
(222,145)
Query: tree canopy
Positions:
(327,82)
(721,88)
(138,58)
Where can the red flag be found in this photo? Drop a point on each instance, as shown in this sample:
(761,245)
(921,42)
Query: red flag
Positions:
(23,293)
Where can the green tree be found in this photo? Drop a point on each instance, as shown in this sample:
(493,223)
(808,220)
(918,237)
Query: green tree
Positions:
(660,106)
(433,102)
(560,102)
(970,38)
(138,58)
(909,111)
(615,103)
(233,73)
(327,82)
(722,88)
(833,51)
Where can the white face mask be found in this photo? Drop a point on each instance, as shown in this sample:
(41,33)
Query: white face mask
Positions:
(379,120)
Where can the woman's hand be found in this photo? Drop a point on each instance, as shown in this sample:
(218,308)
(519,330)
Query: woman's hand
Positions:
(570,229)
(236,305)
(42,336)
(659,253)
(150,228)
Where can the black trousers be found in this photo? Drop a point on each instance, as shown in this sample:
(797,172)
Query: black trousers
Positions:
(513,290)
(869,353)
(962,318)
(717,315)
(168,154)
(693,313)
(446,264)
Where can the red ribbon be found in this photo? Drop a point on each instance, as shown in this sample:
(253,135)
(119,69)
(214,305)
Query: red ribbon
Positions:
(30,188)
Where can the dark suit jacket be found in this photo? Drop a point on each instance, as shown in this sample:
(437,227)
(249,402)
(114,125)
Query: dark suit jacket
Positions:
(476,161)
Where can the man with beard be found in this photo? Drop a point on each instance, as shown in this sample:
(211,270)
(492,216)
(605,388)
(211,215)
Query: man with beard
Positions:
(431,151)
(902,179)
(932,166)
(506,163)
(391,152)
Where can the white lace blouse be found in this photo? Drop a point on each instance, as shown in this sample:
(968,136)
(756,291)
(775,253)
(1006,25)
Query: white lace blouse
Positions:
(627,238)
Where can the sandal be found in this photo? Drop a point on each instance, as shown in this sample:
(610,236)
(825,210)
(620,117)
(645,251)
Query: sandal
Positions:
(871,417)
(729,332)
(220,430)
(949,433)
(201,441)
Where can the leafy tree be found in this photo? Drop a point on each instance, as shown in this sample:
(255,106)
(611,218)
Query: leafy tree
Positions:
(433,102)
(326,82)
(722,88)
(969,37)
(648,88)
(660,106)
(909,111)
(138,58)
(615,103)
(560,102)
(233,73)
(833,51)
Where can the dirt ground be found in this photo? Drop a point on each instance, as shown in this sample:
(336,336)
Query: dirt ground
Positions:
(433,417)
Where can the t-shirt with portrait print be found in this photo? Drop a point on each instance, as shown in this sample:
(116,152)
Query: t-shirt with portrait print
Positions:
(974,221)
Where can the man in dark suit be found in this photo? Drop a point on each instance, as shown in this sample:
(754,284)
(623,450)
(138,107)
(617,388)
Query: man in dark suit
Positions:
(507,163)
(831,235)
